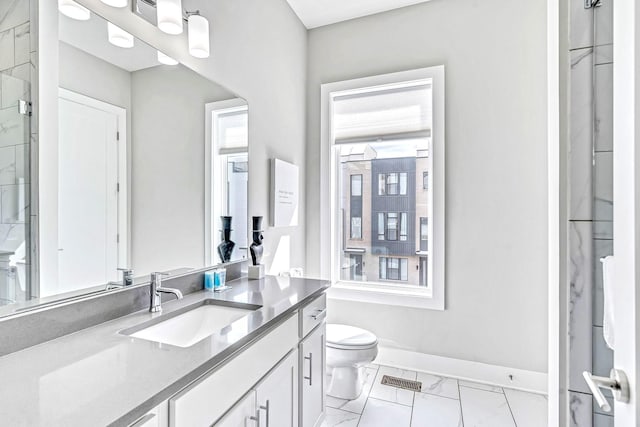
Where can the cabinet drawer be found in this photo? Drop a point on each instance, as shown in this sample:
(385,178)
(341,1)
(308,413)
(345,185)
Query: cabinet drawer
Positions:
(210,397)
(313,314)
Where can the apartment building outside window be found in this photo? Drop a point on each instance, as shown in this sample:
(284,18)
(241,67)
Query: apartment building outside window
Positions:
(393,269)
(382,146)
(392,184)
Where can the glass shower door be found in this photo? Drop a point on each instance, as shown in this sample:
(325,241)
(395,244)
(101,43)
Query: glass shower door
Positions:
(15,136)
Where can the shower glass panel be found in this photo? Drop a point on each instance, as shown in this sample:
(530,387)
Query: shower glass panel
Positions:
(15,122)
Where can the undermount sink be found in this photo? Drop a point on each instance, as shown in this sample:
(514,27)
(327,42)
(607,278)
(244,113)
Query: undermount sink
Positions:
(191,324)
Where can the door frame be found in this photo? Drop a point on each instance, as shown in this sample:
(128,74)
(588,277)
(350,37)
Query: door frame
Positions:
(556,244)
(626,199)
(124,214)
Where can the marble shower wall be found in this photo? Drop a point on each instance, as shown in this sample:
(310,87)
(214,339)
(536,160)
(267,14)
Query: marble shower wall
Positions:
(590,200)
(18,81)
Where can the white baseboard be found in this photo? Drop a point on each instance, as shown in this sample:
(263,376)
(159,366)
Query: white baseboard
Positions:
(531,381)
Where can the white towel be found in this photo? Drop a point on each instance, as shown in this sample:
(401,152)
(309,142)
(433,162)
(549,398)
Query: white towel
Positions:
(608,320)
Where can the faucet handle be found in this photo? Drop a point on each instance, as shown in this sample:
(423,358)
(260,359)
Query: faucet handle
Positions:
(159,273)
(156,277)
(127,276)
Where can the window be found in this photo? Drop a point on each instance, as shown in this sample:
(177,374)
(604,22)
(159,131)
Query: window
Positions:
(393,268)
(356,185)
(392,184)
(424,234)
(226,174)
(403,184)
(393,226)
(389,130)
(424,274)
(356,228)
(403,226)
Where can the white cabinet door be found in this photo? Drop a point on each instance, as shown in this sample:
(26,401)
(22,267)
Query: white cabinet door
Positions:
(277,394)
(157,417)
(312,374)
(243,413)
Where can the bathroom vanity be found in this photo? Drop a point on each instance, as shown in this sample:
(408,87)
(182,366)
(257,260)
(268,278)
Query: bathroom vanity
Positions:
(263,364)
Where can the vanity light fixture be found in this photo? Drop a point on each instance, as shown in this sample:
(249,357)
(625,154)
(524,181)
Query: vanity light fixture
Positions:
(73,10)
(115,3)
(198,35)
(169,16)
(166,59)
(118,36)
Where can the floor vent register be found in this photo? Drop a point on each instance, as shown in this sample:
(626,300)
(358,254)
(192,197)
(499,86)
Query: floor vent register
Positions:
(401,383)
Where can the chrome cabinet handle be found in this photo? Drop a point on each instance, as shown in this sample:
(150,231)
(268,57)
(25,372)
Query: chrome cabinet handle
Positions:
(265,408)
(256,418)
(320,314)
(310,377)
(617,383)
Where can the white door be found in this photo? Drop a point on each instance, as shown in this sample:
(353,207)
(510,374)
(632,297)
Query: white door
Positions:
(87,196)
(277,395)
(626,202)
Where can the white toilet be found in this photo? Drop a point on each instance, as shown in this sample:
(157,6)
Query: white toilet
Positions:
(349,349)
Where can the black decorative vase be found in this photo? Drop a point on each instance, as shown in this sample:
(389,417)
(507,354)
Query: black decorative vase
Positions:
(256,247)
(225,249)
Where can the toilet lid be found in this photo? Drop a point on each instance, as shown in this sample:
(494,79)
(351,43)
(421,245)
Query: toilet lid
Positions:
(344,336)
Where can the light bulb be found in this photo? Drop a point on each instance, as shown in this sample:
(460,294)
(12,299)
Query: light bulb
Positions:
(198,36)
(73,10)
(115,3)
(170,16)
(118,36)
(166,59)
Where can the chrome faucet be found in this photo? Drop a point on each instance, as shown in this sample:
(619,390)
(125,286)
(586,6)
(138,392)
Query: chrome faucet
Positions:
(155,305)
(127,280)
(127,276)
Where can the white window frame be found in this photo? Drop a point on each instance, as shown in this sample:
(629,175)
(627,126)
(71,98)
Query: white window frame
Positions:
(215,178)
(432,297)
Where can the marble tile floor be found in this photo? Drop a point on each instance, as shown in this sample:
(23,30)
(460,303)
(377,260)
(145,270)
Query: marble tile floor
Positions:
(443,402)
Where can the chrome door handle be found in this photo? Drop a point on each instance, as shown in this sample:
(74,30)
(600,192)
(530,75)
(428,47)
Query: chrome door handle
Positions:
(265,408)
(320,314)
(617,383)
(310,377)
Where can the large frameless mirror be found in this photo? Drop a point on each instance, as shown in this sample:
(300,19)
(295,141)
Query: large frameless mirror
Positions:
(150,171)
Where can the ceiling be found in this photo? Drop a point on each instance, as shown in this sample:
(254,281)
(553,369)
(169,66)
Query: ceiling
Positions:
(316,13)
(91,37)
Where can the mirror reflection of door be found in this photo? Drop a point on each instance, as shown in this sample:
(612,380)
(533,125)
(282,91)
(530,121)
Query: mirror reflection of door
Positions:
(228,176)
(89,172)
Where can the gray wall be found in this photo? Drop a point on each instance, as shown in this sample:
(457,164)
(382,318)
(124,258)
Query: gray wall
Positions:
(88,75)
(496,212)
(168,167)
(79,72)
(258,51)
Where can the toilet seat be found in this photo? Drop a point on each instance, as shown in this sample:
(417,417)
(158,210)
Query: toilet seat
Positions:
(344,337)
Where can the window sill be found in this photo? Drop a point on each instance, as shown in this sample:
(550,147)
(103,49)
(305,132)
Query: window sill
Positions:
(403,297)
